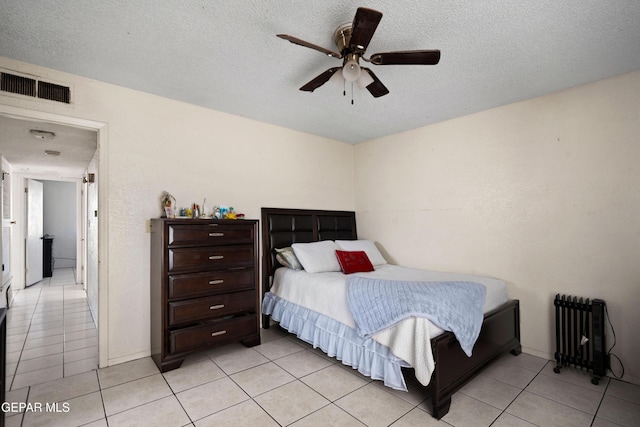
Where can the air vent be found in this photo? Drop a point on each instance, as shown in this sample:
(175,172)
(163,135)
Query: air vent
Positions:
(54,92)
(17,84)
(36,88)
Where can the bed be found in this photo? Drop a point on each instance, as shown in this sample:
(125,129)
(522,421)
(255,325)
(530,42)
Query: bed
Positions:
(372,356)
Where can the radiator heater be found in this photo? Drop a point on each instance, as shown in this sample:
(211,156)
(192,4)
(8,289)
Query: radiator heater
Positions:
(580,337)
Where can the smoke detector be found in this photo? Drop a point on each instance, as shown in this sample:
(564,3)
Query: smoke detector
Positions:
(42,134)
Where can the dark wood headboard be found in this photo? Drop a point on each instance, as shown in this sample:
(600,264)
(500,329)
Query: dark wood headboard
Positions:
(282,227)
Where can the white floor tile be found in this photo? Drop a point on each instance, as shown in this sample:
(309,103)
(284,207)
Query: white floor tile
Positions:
(491,391)
(245,414)
(575,396)
(81,410)
(211,397)
(262,378)
(81,343)
(128,371)
(36,377)
(43,341)
(302,363)
(545,412)
(65,388)
(470,412)
(13,420)
(333,382)
(80,366)
(80,354)
(134,393)
(40,363)
(619,411)
(52,357)
(278,348)
(418,417)
(373,406)
(329,415)
(625,391)
(235,358)
(291,402)
(166,412)
(193,375)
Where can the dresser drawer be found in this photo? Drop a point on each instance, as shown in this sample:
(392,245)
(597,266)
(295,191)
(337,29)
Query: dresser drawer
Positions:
(195,309)
(209,234)
(210,258)
(212,282)
(214,333)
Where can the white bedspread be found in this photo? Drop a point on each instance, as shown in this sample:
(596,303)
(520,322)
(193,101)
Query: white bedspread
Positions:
(326,294)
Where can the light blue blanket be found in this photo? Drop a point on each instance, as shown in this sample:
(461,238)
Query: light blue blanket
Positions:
(452,306)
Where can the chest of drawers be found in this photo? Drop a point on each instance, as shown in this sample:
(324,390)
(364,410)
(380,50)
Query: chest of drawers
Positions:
(204,286)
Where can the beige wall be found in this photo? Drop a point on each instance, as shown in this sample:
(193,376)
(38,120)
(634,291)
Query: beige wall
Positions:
(544,193)
(156,144)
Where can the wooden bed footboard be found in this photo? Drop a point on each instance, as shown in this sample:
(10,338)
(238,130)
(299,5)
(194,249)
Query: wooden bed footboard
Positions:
(500,334)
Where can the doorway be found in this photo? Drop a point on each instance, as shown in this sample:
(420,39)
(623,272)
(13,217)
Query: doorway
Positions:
(54,229)
(93,197)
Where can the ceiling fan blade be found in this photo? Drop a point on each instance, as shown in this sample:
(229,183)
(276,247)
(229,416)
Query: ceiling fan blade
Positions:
(406,57)
(377,89)
(301,42)
(320,80)
(364,25)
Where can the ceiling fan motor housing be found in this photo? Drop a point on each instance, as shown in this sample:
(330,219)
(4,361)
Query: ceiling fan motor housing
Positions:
(342,37)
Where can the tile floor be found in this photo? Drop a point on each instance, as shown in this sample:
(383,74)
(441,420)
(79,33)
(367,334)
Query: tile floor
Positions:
(50,332)
(281,382)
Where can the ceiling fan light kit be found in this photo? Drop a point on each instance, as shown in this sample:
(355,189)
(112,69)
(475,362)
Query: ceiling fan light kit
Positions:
(351,68)
(352,40)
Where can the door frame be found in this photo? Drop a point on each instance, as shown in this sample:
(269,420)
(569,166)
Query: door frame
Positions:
(103,201)
(29,185)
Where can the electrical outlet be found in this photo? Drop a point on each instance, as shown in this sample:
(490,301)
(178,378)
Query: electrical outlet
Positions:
(148,225)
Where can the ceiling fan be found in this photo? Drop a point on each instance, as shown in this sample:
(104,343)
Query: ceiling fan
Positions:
(352,40)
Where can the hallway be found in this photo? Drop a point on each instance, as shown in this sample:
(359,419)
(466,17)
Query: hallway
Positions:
(50,332)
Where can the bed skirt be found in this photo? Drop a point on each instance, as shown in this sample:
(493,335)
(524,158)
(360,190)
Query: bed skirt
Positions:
(369,357)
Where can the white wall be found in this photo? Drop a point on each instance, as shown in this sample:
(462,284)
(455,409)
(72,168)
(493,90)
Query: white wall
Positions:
(543,193)
(155,144)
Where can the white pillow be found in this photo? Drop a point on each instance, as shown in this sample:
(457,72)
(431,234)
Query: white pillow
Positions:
(368,246)
(317,257)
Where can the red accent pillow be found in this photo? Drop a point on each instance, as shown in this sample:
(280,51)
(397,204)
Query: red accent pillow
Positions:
(354,261)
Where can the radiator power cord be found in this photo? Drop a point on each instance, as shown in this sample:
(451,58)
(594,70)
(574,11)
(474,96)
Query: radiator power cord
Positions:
(609,353)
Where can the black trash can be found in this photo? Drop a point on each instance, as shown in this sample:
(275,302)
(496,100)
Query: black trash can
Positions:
(47,258)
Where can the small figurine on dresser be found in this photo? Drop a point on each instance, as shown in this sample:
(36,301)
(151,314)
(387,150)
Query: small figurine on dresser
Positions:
(168,205)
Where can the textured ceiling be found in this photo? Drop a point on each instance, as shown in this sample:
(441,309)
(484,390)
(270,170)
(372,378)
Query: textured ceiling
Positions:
(225,55)
(26,153)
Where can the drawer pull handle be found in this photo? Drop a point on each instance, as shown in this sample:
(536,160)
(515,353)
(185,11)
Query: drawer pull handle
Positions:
(216,234)
(213,225)
(216,307)
(216,282)
(215,334)
(216,257)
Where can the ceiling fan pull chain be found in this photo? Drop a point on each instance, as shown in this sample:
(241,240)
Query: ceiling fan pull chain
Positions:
(351,93)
